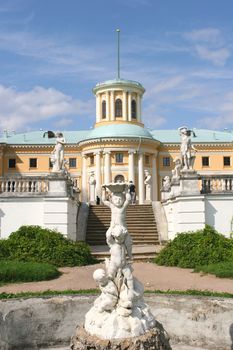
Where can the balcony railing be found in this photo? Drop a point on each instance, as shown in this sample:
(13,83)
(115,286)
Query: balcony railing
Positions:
(216,184)
(27,185)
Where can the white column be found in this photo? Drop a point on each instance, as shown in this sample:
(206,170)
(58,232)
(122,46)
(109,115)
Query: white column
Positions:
(112,106)
(141,186)
(154,178)
(131,175)
(138,108)
(107,167)
(98,173)
(129,106)
(124,107)
(84,178)
(98,109)
(107,106)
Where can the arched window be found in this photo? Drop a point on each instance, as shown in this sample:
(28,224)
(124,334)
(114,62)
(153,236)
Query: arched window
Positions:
(118,108)
(103,109)
(133,109)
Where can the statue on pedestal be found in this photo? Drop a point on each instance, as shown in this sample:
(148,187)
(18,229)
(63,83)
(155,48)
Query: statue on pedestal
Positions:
(92,186)
(176,171)
(120,318)
(57,156)
(186,148)
(148,184)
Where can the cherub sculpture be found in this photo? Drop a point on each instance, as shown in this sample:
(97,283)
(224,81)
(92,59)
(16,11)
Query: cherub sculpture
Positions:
(109,293)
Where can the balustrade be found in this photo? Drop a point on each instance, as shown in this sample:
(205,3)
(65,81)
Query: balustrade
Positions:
(216,184)
(23,185)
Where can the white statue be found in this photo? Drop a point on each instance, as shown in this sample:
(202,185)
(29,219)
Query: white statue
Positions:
(109,293)
(92,186)
(177,169)
(166,184)
(57,156)
(148,183)
(186,148)
(120,310)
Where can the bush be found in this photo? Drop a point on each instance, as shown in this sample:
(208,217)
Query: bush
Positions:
(222,270)
(197,248)
(15,271)
(34,243)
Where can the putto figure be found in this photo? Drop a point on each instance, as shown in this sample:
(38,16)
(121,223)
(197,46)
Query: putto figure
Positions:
(186,148)
(120,309)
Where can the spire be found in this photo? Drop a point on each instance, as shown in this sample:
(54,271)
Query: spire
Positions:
(118,53)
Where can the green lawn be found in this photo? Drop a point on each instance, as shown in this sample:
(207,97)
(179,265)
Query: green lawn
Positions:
(15,271)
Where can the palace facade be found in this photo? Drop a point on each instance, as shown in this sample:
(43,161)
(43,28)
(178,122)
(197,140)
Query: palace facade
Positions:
(118,147)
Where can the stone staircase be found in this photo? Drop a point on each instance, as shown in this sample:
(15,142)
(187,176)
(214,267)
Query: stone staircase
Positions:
(140,222)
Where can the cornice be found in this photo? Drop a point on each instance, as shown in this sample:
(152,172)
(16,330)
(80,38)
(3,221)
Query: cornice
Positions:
(118,139)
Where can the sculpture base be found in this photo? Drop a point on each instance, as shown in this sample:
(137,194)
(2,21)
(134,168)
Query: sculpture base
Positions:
(154,339)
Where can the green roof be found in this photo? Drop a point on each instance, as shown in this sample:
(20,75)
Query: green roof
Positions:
(119,130)
(36,138)
(202,136)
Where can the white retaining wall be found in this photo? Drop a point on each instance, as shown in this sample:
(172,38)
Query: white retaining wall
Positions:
(53,213)
(189,213)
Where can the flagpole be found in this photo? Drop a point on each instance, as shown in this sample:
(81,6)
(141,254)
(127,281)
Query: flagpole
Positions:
(118,53)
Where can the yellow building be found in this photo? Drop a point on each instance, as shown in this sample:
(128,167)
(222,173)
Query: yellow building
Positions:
(118,147)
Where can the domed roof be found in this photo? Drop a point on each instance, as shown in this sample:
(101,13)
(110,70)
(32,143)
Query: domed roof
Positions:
(118,131)
(119,82)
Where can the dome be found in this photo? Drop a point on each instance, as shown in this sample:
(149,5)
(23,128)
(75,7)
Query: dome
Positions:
(119,83)
(119,130)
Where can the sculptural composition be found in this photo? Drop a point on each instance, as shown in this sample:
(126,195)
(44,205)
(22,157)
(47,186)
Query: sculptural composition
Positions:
(187,150)
(120,307)
(57,156)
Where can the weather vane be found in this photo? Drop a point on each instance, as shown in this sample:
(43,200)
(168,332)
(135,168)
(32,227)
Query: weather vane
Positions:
(118,53)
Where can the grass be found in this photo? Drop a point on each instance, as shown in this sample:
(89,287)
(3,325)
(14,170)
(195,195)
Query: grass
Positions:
(15,271)
(222,269)
(51,293)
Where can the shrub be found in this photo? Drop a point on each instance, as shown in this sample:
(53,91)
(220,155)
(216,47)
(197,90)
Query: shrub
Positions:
(222,269)
(34,243)
(197,248)
(15,271)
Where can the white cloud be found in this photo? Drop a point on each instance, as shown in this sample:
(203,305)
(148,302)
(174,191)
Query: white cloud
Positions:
(167,84)
(20,109)
(218,122)
(217,57)
(204,35)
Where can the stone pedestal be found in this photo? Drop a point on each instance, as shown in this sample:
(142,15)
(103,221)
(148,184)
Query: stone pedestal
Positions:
(189,183)
(154,339)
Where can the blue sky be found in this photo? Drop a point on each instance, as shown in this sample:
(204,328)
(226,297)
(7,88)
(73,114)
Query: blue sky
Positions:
(53,52)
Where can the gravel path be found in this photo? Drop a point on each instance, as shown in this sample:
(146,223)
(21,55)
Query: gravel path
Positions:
(151,275)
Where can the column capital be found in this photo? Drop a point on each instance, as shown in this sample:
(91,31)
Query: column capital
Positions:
(97,152)
(106,152)
(132,151)
(155,154)
(84,155)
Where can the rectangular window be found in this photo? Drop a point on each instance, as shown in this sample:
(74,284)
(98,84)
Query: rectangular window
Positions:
(33,163)
(205,161)
(91,160)
(147,160)
(119,157)
(12,163)
(166,161)
(50,163)
(72,162)
(226,161)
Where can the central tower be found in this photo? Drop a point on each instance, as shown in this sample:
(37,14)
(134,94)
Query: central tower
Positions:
(118,101)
